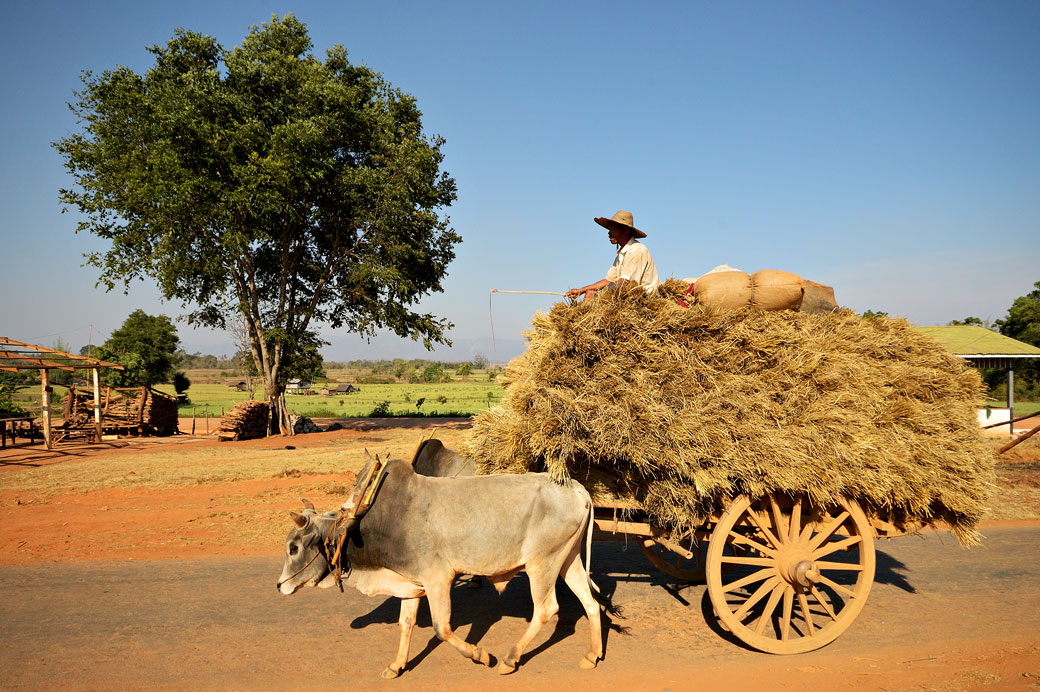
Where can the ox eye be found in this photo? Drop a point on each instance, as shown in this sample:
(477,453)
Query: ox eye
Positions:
(293,549)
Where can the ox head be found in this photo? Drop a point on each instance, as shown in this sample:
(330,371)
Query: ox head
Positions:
(306,559)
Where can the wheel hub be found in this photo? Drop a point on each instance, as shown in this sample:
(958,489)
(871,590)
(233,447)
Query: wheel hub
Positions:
(797,567)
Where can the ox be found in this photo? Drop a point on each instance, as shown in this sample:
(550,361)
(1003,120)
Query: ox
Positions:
(434,459)
(422,532)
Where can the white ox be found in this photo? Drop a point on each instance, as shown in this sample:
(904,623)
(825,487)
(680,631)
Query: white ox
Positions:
(421,532)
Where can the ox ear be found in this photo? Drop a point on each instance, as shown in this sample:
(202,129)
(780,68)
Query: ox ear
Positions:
(307,503)
(300,520)
(368,455)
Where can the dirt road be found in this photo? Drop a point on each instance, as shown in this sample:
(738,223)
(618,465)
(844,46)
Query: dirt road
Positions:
(939,618)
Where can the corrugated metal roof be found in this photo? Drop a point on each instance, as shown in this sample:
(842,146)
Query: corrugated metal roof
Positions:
(971,340)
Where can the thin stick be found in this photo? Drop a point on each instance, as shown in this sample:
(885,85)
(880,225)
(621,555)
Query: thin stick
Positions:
(1019,419)
(1021,438)
(494,344)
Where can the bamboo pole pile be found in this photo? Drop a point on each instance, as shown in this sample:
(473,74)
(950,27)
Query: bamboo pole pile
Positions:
(245,421)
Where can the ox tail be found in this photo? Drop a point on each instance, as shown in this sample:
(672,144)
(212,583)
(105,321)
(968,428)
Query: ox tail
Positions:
(604,601)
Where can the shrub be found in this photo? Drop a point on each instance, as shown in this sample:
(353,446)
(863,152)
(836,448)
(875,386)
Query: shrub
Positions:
(382,410)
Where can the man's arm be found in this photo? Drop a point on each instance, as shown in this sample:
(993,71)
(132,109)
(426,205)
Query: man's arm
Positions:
(588,291)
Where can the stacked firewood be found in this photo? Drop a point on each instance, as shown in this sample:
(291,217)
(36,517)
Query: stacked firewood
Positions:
(247,420)
(123,409)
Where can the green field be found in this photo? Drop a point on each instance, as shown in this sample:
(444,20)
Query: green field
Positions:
(460,397)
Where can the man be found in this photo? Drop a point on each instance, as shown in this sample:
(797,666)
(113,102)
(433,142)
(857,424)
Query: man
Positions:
(633,261)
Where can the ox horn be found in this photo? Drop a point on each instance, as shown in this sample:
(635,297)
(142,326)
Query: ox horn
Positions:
(307,503)
(298,519)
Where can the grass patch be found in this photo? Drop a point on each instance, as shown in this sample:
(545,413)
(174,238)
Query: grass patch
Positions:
(457,398)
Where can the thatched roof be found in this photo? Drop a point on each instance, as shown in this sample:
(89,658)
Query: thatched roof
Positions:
(681,409)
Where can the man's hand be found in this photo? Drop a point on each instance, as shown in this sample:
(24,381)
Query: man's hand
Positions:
(585,293)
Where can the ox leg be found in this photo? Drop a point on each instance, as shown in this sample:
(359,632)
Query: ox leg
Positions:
(578,581)
(406,623)
(439,596)
(543,593)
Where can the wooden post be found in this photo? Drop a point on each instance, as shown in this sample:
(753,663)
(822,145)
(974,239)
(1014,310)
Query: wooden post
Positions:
(97,402)
(192,420)
(1011,400)
(45,398)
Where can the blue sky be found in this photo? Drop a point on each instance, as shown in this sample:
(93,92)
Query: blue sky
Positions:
(889,149)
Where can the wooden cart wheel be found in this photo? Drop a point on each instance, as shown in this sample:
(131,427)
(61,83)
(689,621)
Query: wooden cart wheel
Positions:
(675,565)
(804,578)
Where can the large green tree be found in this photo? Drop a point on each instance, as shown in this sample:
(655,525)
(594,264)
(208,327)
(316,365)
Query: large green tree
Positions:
(1023,318)
(145,345)
(265,182)
(1023,323)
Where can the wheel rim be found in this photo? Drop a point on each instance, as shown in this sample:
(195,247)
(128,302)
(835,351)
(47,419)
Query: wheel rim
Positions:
(675,565)
(803,577)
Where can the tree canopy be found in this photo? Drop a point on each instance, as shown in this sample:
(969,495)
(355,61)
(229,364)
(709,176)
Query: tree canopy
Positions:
(1023,318)
(145,345)
(265,182)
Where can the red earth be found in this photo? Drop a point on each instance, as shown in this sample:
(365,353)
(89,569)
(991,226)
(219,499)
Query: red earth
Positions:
(92,531)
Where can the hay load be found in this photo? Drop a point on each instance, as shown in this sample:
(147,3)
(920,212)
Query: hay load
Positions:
(682,409)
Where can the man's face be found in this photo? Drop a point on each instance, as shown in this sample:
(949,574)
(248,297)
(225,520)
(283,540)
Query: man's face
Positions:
(618,236)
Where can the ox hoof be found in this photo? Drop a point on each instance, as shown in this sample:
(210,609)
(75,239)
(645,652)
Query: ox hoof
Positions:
(588,663)
(505,668)
(389,673)
(482,657)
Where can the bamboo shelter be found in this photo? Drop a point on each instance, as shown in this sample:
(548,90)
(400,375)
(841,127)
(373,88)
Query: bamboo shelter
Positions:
(17,355)
(681,410)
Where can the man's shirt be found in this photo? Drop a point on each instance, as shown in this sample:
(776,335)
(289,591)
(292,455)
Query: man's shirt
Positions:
(634,263)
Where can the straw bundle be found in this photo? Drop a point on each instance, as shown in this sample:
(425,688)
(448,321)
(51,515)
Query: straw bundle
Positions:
(682,409)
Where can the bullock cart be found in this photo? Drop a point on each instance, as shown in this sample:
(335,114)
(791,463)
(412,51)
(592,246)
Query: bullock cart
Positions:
(760,451)
(784,576)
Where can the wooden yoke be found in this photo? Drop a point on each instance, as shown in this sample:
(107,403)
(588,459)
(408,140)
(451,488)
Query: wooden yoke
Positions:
(361,499)
(418,448)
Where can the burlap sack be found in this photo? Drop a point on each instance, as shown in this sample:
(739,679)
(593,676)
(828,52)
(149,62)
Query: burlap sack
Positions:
(772,289)
(723,289)
(818,299)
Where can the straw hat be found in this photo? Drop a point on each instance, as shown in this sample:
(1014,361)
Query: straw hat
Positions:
(621,220)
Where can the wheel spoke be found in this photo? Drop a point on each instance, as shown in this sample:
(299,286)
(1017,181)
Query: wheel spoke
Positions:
(767,612)
(759,594)
(796,519)
(836,546)
(828,530)
(836,586)
(810,628)
(750,579)
(756,561)
(761,526)
(819,599)
(779,526)
(785,621)
(741,538)
(846,566)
